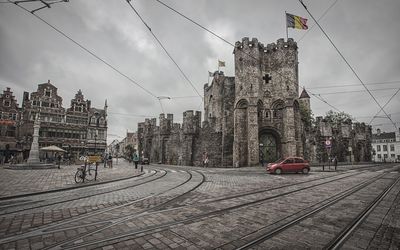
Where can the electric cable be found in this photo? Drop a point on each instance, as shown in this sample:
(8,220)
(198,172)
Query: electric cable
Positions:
(90,52)
(226,41)
(322,16)
(348,64)
(163,47)
(373,118)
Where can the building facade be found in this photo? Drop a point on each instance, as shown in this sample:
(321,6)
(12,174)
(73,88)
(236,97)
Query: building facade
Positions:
(256,116)
(10,115)
(79,129)
(386,146)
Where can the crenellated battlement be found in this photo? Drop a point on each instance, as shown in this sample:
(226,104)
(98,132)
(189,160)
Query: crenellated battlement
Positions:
(191,122)
(248,44)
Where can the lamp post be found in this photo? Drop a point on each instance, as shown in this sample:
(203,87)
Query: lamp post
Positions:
(95,143)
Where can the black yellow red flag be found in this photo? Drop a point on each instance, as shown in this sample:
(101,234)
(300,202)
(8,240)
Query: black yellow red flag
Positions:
(296,22)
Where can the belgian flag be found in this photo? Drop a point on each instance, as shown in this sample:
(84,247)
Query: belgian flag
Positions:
(296,22)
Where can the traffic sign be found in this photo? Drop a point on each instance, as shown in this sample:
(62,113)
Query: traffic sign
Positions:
(328,143)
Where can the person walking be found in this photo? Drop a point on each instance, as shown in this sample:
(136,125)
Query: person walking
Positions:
(59,160)
(205,160)
(135,160)
(335,162)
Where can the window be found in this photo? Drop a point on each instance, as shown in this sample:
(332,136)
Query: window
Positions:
(379,156)
(14,117)
(392,156)
(378,148)
(384,147)
(7,104)
(48,93)
(385,156)
(288,161)
(297,160)
(392,147)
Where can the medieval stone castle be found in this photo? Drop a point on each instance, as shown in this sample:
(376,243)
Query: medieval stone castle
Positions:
(256,116)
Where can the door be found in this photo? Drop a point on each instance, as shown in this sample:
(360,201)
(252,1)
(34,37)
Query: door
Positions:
(268,148)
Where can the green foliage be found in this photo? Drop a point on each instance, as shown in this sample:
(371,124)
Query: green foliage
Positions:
(129,150)
(336,118)
(307,117)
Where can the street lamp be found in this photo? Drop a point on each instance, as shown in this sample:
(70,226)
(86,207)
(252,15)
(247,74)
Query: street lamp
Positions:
(95,143)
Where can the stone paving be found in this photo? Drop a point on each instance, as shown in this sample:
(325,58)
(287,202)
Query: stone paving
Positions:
(17,182)
(178,207)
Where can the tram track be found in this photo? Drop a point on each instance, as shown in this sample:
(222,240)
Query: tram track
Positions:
(340,238)
(53,227)
(73,195)
(168,225)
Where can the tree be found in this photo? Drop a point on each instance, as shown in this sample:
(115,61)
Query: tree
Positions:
(336,118)
(129,150)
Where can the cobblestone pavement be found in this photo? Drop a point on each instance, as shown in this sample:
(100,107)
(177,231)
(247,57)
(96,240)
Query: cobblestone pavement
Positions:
(178,207)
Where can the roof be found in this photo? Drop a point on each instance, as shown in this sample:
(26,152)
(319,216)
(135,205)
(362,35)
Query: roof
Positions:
(304,94)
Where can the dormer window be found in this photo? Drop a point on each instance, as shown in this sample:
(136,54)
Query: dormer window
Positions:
(48,93)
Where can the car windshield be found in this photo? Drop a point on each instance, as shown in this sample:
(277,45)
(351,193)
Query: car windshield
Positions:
(279,160)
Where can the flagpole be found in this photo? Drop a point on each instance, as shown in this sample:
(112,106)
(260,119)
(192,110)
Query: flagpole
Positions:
(287,36)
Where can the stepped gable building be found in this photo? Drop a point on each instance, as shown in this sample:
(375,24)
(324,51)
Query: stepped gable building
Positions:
(79,129)
(256,116)
(10,113)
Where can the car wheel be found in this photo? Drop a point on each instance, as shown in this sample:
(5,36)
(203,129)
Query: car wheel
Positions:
(278,171)
(305,170)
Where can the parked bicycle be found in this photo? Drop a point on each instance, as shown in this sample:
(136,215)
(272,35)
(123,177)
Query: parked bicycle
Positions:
(86,172)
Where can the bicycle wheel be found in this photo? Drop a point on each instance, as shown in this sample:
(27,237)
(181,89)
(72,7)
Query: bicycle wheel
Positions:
(90,173)
(79,176)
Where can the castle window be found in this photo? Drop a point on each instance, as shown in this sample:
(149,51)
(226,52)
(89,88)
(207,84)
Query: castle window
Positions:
(278,107)
(267,114)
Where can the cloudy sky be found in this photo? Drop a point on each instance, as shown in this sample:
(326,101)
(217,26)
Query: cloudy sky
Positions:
(365,31)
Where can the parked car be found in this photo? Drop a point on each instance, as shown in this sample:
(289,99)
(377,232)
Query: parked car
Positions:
(289,164)
(145,161)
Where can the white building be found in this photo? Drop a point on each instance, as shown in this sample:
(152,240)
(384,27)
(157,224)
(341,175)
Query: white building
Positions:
(386,146)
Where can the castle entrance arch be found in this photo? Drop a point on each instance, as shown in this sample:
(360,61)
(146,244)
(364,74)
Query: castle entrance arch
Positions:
(269,146)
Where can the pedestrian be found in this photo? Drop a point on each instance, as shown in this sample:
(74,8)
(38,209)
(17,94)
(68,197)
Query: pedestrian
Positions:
(59,160)
(135,160)
(205,159)
(105,158)
(335,162)
(180,160)
(110,163)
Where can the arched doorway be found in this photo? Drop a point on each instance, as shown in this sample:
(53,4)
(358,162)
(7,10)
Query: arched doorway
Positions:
(269,146)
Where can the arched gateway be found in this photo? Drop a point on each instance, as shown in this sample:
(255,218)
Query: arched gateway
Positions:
(270,149)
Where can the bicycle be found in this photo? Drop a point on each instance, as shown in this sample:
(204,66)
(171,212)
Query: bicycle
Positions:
(86,172)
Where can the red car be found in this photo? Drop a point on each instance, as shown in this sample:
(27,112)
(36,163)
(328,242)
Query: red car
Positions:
(289,164)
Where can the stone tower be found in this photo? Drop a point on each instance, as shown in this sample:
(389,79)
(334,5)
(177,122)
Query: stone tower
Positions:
(266,109)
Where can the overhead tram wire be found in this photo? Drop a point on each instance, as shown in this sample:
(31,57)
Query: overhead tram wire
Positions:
(377,113)
(165,50)
(226,41)
(353,85)
(88,51)
(322,16)
(348,64)
(355,91)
